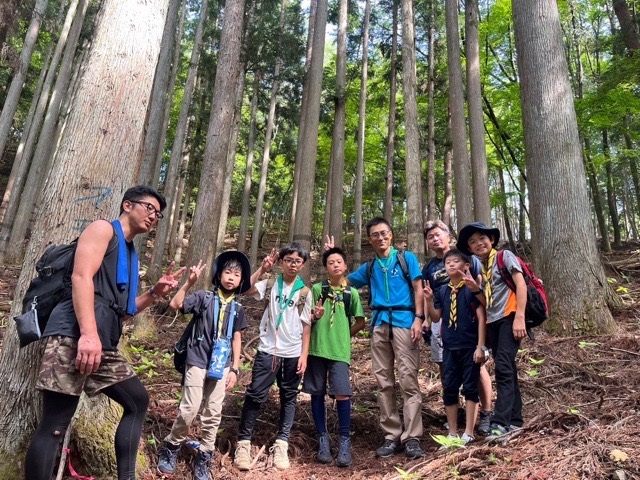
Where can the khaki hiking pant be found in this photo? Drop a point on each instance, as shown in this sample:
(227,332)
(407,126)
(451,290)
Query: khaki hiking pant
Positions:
(196,387)
(406,354)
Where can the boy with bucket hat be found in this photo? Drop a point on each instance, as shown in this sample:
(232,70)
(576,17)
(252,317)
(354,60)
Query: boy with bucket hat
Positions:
(505,321)
(211,367)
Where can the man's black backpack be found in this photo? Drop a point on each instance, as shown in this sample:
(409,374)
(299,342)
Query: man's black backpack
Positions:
(50,287)
(402,261)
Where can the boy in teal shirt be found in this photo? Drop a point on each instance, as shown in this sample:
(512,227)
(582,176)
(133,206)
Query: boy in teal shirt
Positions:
(330,353)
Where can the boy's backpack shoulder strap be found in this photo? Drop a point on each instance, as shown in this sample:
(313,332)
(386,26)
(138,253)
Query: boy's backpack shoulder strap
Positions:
(324,291)
(347,301)
(302,298)
(504,271)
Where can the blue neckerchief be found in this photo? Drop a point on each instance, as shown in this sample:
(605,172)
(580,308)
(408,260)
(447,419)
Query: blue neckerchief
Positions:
(127,268)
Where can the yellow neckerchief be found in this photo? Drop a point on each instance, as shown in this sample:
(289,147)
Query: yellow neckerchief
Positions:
(225,299)
(453,314)
(336,296)
(487,268)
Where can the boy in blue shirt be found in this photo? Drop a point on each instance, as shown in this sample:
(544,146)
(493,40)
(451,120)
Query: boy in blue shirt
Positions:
(463,339)
(330,353)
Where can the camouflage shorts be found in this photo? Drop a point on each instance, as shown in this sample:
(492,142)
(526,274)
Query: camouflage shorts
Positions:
(58,370)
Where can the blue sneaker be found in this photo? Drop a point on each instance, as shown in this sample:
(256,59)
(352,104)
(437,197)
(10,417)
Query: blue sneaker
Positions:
(344,452)
(324,449)
(497,431)
(167,458)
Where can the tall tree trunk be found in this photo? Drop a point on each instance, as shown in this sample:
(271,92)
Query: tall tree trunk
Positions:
(207,213)
(505,211)
(522,212)
(171,179)
(448,187)
(266,154)
(231,159)
(432,213)
(479,169)
(612,201)
(8,12)
(184,213)
(20,74)
(304,107)
(82,187)
(461,170)
(309,144)
(20,208)
(633,165)
(596,196)
(155,114)
(362,110)
(560,216)
(629,28)
(335,201)
(246,192)
(391,124)
(413,168)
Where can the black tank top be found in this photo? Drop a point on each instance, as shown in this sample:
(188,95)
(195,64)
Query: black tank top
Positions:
(63,319)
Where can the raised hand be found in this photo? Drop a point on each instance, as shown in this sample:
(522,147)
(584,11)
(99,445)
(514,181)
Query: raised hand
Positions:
(169,281)
(318,310)
(269,261)
(469,281)
(427,292)
(195,271)
(330,242)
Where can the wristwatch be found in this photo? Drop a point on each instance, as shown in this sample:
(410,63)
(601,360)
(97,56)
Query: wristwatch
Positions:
(420,316)
(234,370)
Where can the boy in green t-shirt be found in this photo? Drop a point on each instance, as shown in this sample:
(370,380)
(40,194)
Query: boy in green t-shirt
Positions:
(330,353)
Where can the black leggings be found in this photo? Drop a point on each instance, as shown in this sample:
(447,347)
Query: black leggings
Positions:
(57,411)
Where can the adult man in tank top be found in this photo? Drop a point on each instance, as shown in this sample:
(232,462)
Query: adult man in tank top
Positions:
(83,332)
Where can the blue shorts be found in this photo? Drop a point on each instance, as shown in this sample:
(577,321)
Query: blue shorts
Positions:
(320,370)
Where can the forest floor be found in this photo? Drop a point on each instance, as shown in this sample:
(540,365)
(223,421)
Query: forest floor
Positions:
(581,404)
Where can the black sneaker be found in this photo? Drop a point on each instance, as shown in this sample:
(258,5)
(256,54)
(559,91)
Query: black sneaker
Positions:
(344,452)
(412,449)
(168,457)
(388,448)
(324,449)
(202,465)
(497,431)
(484,425)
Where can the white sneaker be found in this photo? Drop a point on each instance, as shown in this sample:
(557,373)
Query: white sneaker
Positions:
(467,438)
(242,457)
(280,452)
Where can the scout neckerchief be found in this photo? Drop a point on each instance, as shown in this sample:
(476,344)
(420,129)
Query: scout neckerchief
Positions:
(336,296)
(384,266)
(453,314)
(283,301)
(224,301)
(487,268)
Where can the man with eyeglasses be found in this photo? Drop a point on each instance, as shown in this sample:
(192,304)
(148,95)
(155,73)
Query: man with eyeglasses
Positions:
(83,332)
(396,328)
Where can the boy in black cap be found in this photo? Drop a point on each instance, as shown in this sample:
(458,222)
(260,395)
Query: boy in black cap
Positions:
(215,310)
(505,321)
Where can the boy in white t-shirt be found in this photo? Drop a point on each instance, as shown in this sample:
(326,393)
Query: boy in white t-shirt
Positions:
(285,331)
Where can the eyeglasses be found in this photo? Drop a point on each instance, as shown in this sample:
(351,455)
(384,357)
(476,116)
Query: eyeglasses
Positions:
(380,234)
(293,261)
(150,209)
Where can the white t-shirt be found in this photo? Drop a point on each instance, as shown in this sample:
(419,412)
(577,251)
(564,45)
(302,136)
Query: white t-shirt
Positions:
(284,340)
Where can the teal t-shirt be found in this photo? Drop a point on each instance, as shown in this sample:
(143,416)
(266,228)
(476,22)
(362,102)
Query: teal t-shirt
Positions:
(331,334)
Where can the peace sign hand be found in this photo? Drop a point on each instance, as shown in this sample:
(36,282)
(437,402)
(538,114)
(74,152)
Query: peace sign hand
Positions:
(329,243)
(168,281)
(427,292)
(318,310)
(269,260)
(469,281)
(195,271)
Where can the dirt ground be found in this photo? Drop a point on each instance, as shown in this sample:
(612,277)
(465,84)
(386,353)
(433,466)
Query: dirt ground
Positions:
(581,405)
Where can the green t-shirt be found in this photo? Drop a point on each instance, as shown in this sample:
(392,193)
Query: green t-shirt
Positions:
(331,334)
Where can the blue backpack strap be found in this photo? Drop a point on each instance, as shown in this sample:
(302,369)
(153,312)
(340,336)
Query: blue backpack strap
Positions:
(230,320)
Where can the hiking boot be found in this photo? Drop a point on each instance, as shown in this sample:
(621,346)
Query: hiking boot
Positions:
(202,465)
(324,449)
(467,438)
(344,452)
(168,457)
(388,448)
(280,452)
(242,457)
(497,431)
(412,449)
(484,425)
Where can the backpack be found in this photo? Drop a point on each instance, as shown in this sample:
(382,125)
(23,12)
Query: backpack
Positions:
(403,266)
(537,309)
(192,332)
(346,297)
(51,286)
(302,298)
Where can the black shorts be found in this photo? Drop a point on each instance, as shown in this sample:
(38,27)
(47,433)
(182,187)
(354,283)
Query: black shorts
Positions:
(319,370)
